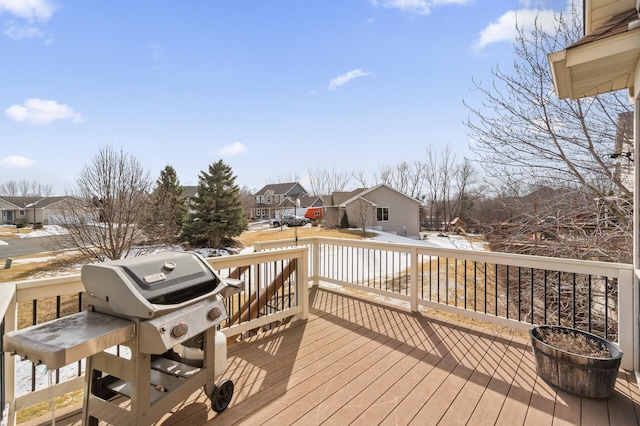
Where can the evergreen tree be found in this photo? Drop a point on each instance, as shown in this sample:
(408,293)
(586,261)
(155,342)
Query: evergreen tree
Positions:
(167,209)
(217,211)
(344,221)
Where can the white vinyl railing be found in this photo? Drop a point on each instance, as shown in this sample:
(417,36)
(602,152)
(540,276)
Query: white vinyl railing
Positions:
(256,270)
(511,290)
(499,288)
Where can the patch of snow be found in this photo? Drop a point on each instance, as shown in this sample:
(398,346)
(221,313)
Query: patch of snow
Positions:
(3,243)
(47,231)
(432,240)
(34,260)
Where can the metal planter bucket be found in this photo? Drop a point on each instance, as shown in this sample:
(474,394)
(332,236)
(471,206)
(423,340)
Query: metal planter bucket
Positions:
(591,377)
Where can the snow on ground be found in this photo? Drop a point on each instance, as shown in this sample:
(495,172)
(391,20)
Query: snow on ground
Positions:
(46,231)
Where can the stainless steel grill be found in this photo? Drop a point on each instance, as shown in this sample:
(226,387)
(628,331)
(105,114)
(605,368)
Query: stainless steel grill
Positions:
(165,308)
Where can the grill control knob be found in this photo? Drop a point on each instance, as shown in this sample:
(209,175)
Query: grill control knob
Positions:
(214,313)
(180,329)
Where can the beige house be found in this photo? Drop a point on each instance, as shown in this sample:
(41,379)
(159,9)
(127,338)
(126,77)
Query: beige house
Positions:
(381,207)
(607,59)
(23,210)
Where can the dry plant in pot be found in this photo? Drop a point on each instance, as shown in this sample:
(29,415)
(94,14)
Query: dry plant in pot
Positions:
(575,361)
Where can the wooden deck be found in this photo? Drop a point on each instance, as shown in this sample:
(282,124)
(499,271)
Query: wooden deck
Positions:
(356,361)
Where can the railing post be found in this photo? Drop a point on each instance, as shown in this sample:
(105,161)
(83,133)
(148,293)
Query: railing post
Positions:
(10,324)
(304,283)
(315,275)
(626,326)
(413,280)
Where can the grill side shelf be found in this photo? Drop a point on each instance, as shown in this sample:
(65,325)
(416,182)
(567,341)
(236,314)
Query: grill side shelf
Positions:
(65,340)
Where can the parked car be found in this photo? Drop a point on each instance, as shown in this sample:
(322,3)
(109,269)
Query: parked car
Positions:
(289,220)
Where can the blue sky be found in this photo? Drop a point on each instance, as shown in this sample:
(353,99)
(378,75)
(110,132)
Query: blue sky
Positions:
(274,88)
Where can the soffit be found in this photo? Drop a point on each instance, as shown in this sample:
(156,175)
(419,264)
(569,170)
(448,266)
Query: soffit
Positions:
(600,62)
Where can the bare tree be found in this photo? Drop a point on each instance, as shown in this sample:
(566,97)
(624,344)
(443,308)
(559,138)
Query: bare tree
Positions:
(290,177)
(361,214)
(107,203)
(405,177)
(325,181)
(360,177)
(25,188)
(524,132)
(440,170)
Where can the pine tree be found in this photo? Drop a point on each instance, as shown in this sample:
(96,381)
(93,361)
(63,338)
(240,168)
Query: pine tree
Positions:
(217,211)
(167,209)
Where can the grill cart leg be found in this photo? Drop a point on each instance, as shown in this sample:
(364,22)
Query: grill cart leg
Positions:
(220,395)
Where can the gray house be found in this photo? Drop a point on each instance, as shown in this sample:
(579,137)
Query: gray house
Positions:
(25,210)
(282,197)
(380,207)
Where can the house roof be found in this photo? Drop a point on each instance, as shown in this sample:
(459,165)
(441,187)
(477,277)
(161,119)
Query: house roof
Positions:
(598,12)
(605,59)
(27,202)
(363,194)
(279,188)
(339,197)
(309,201)
(189,191)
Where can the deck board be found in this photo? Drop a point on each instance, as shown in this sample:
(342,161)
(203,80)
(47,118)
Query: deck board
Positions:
(358,361)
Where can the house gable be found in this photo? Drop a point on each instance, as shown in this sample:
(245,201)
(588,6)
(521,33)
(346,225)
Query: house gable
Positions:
(398,213)
(276,197)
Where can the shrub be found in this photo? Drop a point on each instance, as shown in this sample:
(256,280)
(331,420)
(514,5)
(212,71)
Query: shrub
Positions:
(344,222)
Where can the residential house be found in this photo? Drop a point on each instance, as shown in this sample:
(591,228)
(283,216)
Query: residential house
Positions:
(274,200)
(25,210)
(380,207)
(607,59)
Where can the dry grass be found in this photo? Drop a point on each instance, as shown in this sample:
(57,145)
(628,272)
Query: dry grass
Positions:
(8,232)
(268,234)
(41,265)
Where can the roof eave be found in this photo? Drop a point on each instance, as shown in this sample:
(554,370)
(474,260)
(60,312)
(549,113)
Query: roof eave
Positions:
(601,66)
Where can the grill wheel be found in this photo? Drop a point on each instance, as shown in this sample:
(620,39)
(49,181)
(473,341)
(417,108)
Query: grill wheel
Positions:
(221,396)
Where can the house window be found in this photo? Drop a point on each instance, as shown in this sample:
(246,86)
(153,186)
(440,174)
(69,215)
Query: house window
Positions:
(21,213)
(383,214)
(268,199)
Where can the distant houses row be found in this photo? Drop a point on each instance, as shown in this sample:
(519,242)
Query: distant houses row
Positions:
(380,207)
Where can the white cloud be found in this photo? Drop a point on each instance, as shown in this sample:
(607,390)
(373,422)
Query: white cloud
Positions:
(233,149)
(17,162)
(40,111)
(17,32)
(504,28)
(421,7)
(33,10)
(345,78)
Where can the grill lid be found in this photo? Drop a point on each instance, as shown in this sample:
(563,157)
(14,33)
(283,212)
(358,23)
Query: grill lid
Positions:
(147,286)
